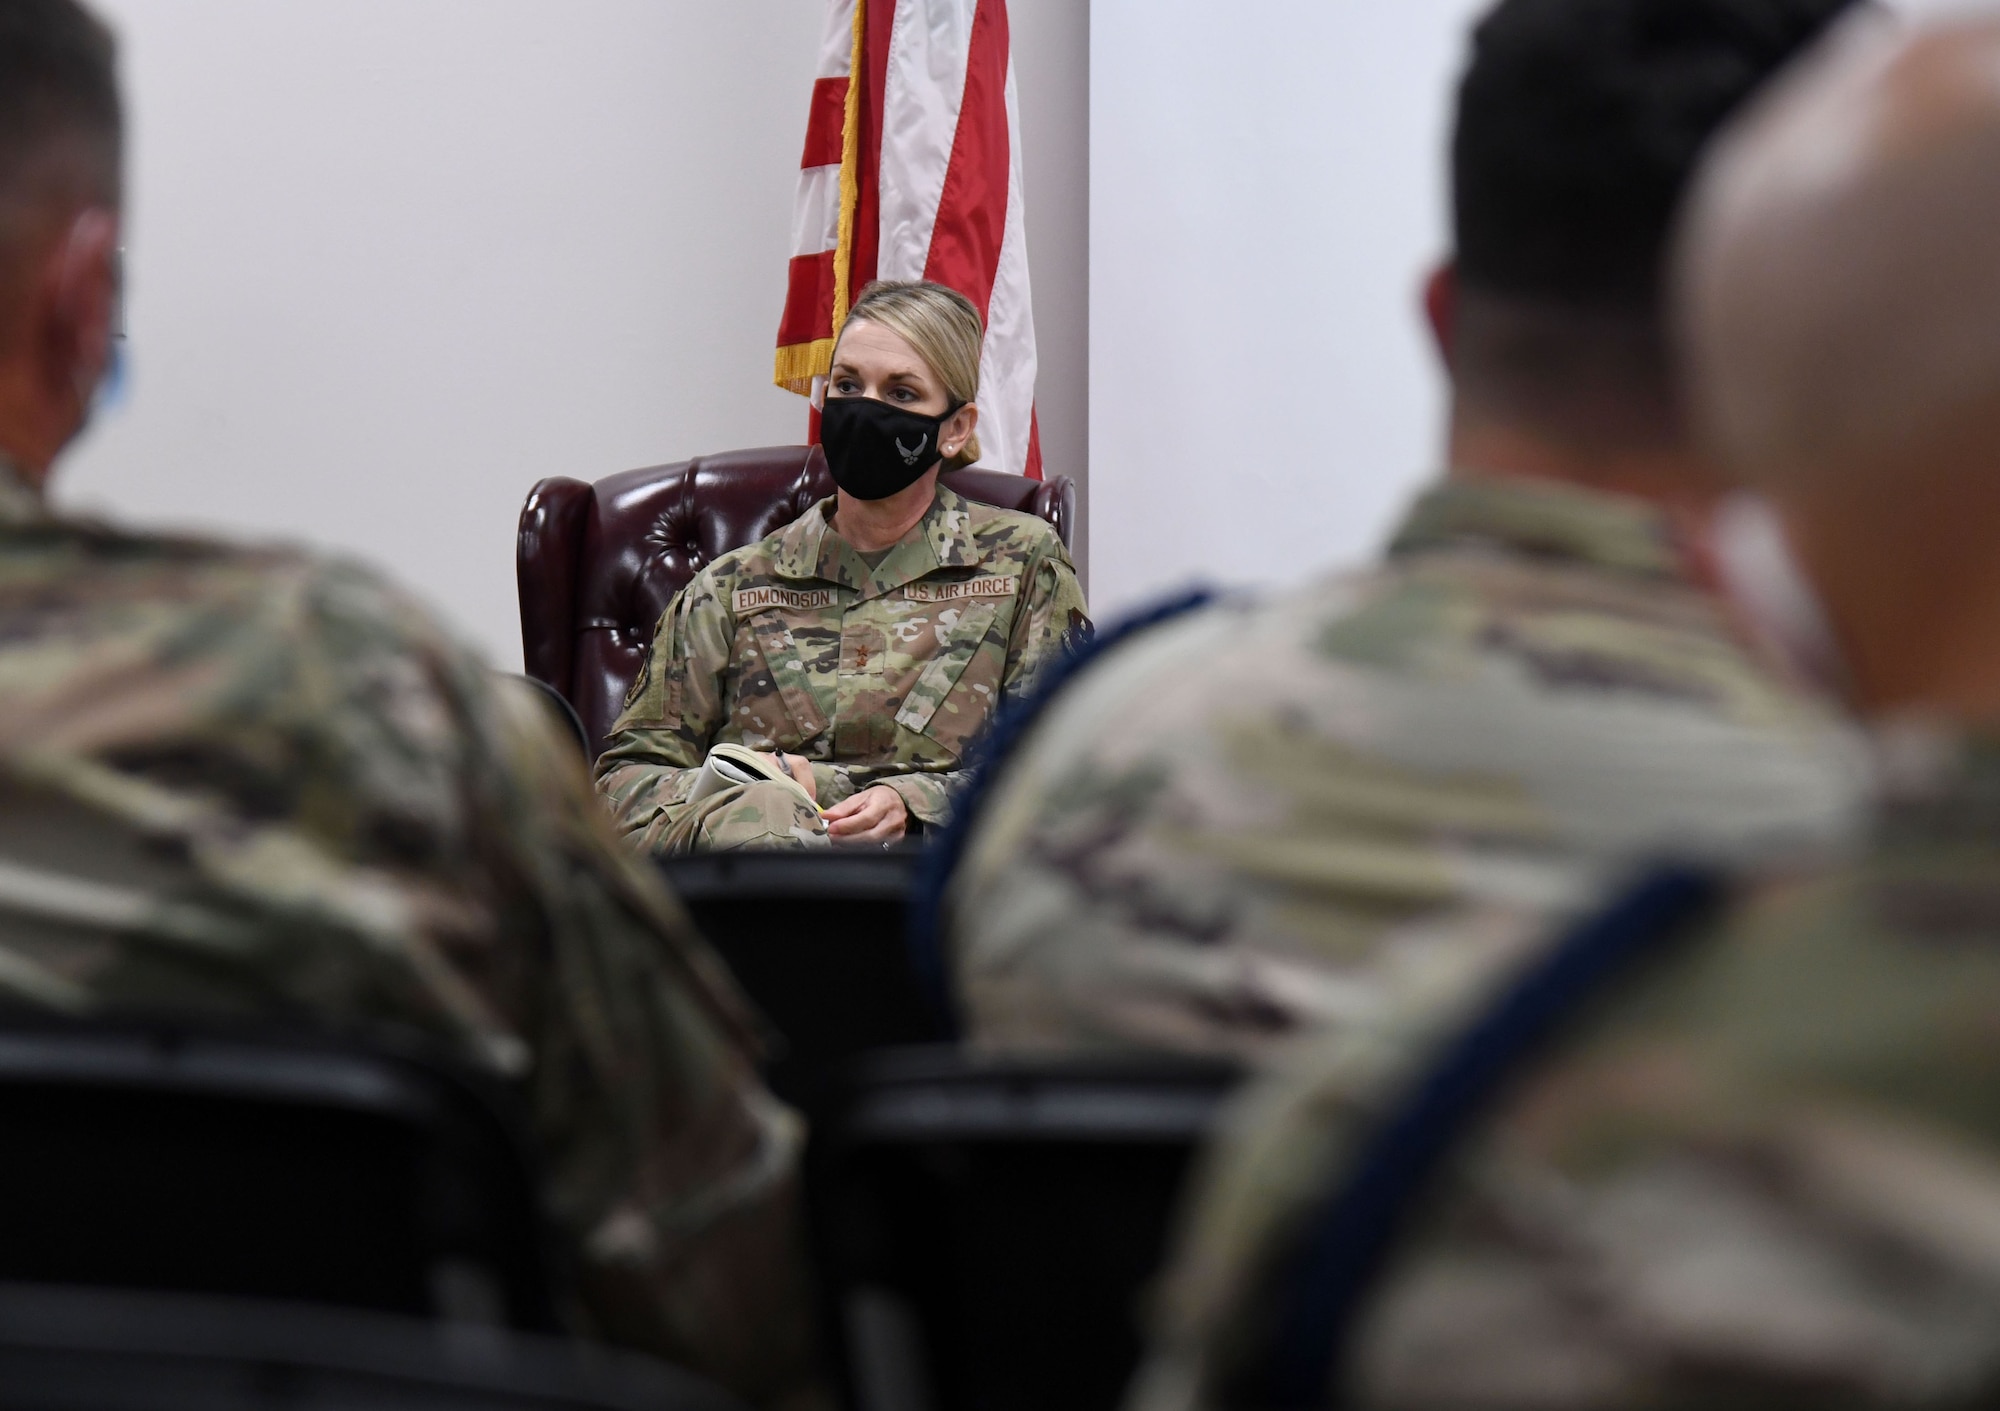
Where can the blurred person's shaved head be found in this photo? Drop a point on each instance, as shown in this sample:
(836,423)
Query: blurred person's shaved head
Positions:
(1841,302)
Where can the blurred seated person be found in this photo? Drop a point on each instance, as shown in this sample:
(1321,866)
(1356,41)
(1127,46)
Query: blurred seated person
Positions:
(865,645)
(1763,1168)
(394,837)
(1267,817)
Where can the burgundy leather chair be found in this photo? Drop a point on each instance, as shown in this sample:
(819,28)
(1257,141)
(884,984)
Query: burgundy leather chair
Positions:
(598,564)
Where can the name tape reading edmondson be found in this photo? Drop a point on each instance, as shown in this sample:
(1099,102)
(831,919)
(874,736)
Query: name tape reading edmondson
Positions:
(806,599)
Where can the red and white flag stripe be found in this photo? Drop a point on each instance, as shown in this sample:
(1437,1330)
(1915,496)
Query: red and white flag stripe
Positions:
(912,170)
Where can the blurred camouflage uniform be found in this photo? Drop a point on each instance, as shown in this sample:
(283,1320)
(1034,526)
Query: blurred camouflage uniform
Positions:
(1260,819)
(878,676)
(1764,1173)
(251,783)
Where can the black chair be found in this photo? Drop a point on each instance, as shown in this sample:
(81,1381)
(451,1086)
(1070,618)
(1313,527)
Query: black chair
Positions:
(1352,1238)
(187,1156)
(987,1230)
(818,942)
(67,1349)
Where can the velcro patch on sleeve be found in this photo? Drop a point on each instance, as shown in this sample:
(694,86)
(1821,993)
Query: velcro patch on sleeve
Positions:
(993,586)
(749,600)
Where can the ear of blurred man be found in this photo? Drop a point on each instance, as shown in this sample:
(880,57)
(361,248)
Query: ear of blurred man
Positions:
(1441,310)
(61,172)
(57,325)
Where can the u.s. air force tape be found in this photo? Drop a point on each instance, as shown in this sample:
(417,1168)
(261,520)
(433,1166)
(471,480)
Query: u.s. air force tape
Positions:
(991,587)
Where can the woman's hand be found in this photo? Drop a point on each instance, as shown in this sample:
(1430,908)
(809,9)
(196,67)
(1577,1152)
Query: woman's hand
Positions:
(801,769)
(875,815)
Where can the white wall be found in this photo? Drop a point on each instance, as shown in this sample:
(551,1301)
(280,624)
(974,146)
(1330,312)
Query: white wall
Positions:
(1266,193)
(1052,72)
(392,261)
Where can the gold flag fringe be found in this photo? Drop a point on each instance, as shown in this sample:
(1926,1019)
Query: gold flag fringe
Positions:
(798,364)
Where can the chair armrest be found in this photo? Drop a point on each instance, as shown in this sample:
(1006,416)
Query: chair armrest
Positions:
(1056,502)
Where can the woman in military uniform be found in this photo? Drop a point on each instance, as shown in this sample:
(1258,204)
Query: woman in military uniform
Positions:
(866,644)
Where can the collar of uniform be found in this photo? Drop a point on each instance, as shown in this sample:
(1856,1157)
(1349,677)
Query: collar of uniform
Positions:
(1616,532)
(807,548)
(20,502)
(941,539)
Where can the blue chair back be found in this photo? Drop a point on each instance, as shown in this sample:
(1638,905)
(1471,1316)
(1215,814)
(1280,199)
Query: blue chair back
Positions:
(1347,1245)
(940,860)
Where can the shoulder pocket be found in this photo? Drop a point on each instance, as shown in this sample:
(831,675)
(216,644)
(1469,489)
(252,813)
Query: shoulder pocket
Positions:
(654,698)
(943,671)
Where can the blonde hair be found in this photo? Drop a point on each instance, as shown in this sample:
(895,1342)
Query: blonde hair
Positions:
(944,328)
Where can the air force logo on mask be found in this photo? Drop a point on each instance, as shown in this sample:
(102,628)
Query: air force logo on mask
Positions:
(875,450)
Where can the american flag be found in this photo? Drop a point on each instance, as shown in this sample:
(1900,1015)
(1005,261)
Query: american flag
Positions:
(912,170)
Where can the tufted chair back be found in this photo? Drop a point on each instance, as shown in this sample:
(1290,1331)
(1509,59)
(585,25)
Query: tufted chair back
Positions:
(598,564)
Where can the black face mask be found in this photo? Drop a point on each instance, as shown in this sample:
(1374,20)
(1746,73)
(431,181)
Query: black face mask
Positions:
(874,449)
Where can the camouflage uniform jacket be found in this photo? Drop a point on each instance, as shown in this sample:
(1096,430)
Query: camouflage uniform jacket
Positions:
(1764,1172)
(254,783)
(1262,818)
(878,676)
